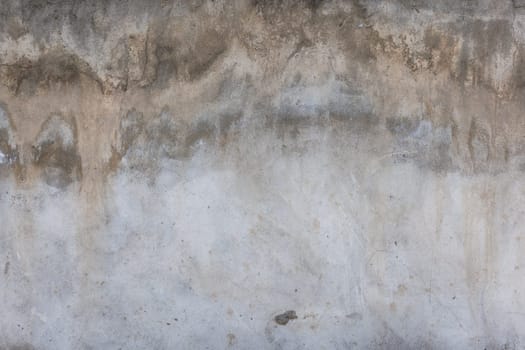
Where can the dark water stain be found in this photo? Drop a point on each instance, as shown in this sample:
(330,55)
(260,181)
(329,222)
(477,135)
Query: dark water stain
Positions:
(54,69)
(356,316)
(284,318)
(402,126)
(168,56)
(55,152)
(279,5)
(21,346)
(481,41)
(85,20)
(518,3)
(150,59)
(288,122)
(209,46)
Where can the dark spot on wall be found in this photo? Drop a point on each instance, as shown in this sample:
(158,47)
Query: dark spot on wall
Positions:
(284,318)
(356,316)
(55,152)
(401,126)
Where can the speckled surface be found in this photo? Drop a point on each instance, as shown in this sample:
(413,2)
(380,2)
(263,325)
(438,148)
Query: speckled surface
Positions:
(262,174)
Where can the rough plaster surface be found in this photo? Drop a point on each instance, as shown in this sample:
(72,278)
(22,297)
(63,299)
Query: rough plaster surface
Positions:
(262,174)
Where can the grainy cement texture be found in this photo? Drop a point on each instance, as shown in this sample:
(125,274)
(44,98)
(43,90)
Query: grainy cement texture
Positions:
(262,174)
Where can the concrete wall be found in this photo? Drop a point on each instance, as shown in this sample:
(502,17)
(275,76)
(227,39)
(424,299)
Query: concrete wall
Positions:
(262,174)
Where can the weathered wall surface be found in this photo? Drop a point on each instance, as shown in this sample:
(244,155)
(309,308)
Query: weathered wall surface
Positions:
(176,175)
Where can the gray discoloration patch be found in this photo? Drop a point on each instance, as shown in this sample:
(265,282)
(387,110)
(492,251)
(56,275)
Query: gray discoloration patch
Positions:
(356,316)
(422,142)
(55,152)
(143,144)
(334,104)
(518,3)
(284,318)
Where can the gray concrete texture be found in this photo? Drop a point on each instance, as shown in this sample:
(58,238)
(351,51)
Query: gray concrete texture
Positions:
(262,174)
